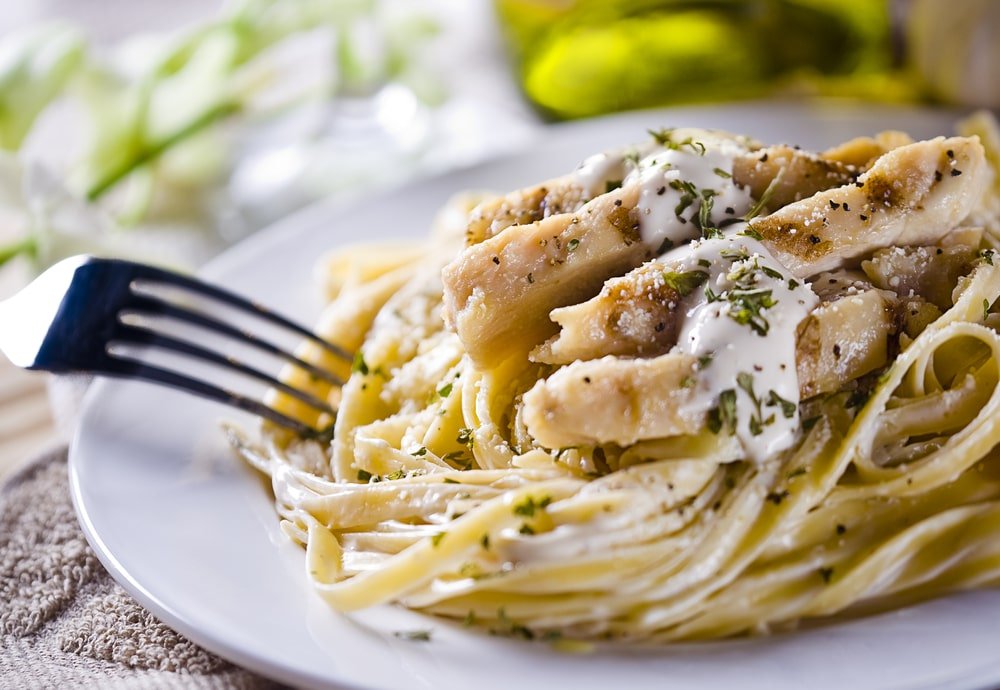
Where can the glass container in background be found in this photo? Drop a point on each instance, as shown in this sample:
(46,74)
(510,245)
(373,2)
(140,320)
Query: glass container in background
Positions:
(577,58)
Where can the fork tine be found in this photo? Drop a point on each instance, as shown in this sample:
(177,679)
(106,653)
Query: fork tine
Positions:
(160,276)
(126,366)
(140,304)
(147,336)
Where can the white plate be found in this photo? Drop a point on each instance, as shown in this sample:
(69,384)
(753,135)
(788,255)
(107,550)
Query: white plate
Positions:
(190,532)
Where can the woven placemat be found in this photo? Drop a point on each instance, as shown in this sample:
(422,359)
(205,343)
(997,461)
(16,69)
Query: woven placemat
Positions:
(64,622)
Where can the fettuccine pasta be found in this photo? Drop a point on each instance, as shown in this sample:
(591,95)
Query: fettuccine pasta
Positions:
(698,388)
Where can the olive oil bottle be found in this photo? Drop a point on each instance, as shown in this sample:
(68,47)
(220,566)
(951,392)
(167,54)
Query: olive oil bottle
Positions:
(577,58)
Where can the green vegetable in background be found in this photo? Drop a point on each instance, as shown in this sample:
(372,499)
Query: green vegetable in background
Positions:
(34,69)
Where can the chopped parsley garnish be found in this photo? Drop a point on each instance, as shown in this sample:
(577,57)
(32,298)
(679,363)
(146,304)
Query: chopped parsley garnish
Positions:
(757,419)
(414,635)
(753,234)
(735,255)
(359,366)
(704,361)
(419,452)
(398,474)
(458,457)
(689,193)
(445,390)
(987,256)
(722,173)
(686,282)
(708,230)
(663,137)
(746,307)
(364,475)
(465,437)
(765,198)
(986,308)
(436,538)
(612,185)
(788,408)
(526,529)
(723,416)
(573,244)
(528,506)
(771,273)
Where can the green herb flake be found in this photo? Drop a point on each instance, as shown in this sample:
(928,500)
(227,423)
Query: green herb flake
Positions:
(465,437)
(445,390)
(436,538)
(414,635)
(771,273)
(708,229)
(752,234)
(449,480)
(528,506)
(986,308)
(526,529)
(686,282)
(788,408)
(359,366)
(612,185)
(765,198)
(364,475)
(484,540)
(398,474)
(722,173)
(723,416)
(573,244)
(746,307)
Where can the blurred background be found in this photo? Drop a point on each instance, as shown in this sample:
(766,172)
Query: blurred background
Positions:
(166,130)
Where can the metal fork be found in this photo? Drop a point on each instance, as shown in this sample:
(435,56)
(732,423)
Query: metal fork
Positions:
(70,317)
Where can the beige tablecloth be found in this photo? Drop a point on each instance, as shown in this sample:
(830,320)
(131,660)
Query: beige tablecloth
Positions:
(64,623)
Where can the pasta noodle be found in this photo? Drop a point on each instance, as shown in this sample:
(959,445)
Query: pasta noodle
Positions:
(614,438)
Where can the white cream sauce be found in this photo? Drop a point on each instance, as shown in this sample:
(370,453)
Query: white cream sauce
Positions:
(668,209)
(673,182)
(752,363)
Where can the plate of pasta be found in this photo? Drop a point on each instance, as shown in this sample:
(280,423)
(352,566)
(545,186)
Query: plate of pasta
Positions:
(700,397)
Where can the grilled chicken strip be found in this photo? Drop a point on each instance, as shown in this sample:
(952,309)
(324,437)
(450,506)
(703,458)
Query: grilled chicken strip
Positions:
(625,400)
(802,175)
(559,260)
(621,400)
(862,152)
(563,259)
(637,314)
(913,194)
